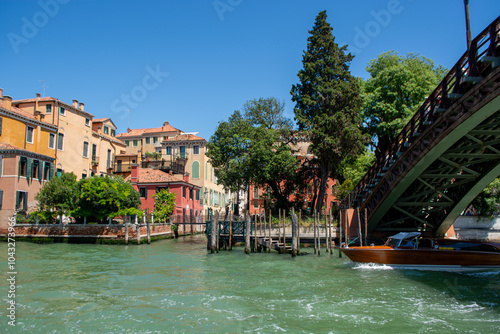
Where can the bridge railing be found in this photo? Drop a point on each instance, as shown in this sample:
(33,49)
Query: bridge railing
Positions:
(459,79)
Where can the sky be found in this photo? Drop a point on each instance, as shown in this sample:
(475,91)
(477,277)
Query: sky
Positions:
(192,63)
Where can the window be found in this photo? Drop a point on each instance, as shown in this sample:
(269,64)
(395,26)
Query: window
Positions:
(190,193)
(60,141)
(87,122)
(94,152)
(52,140)
(21,200)
(333,190)
(196,149)
(113,132)
(148,140)
(36,170)
(106,130)
(84,175)
(134,143)
(255,192)
(29,134)
(143,192)
(109,159)
(182,152)
(48,108)
(59,172)
(168,150)
(1,165)
(256,204)
(48,169)
(127,143)
(85,149)
(23,166)
(197,195)
(195,170)
(0,125)
(1,198)
(155,140)
(184,192)
(62,111)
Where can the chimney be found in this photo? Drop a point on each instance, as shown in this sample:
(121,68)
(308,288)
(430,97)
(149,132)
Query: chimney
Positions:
(134,174)
(1,93)
(7,102)
(128,130)
(81,106)
(37,95)
(75,104)
(165,123)
(186,177)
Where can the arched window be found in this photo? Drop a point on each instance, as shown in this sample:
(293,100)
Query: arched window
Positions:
(195,170)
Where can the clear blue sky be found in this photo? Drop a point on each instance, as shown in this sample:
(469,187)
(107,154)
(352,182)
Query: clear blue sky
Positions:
(218,54)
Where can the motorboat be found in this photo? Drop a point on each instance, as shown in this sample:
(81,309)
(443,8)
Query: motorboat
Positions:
(410,250)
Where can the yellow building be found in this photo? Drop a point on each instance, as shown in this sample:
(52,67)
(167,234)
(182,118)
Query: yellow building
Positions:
(27,155)
(104,146)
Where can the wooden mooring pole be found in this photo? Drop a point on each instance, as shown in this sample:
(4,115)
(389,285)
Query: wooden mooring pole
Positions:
(270,241)
(295,229)
(125,223)
(314,229)
(137,231)
(340,231)
(213,234)
(148,229)
(360,230)
(247,234)
(230,230)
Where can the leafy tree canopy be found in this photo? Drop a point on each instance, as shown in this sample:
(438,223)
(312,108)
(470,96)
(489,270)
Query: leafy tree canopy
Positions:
(395,90)
(487,203)
(59,193)
(164,204)
(252,148)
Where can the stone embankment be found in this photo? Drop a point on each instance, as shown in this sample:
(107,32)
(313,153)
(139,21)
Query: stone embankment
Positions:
(477,228)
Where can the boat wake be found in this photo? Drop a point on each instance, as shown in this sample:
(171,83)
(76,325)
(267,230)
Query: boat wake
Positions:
(371,266)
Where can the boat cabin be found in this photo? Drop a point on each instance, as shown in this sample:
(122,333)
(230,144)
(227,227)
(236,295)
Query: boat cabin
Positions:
(407,240)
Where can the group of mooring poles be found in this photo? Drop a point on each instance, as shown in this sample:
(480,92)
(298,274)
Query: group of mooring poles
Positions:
(265,229)
(344,228)
(317,221)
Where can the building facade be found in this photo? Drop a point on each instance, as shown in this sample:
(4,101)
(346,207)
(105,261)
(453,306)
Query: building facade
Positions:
(105,146)
(27,156)
(148,182)
(171,150)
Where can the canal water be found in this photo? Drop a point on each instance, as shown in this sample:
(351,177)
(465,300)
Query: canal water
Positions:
(175,286)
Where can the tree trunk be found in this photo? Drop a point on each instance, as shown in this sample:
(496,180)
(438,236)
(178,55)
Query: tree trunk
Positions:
(325,173)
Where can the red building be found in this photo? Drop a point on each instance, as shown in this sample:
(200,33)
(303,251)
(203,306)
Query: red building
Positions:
(148,181)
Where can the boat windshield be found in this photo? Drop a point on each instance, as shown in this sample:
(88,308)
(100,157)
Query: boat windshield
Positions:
(392,242)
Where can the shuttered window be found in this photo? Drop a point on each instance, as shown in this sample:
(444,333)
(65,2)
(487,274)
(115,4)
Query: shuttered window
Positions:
(0,125)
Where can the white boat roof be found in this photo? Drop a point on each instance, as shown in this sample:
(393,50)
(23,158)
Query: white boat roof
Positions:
(405,235)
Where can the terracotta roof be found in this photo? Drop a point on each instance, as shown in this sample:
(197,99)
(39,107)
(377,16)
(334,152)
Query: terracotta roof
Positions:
(148,175)
(25,114)
(45,98)
(48,98)
(100,120)
(184,137)
(5,146)
(140,132)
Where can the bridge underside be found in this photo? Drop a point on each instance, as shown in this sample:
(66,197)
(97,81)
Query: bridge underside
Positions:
(437,192)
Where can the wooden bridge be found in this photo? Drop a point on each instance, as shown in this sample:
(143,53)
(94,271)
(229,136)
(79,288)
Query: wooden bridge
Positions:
(447,153)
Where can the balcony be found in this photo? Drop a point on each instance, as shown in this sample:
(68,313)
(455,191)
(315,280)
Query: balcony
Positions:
(95,161)
(163,165)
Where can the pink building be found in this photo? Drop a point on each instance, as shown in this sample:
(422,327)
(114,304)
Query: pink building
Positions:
(148,181)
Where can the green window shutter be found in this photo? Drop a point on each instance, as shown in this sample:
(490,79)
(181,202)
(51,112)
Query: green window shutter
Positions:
(25,201)
(17,199)
(51,171)
(40,170)
(1,198)
(0,125)
(29,167)
(196,170)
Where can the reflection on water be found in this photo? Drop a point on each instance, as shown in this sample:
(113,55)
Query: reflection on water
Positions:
(176,286)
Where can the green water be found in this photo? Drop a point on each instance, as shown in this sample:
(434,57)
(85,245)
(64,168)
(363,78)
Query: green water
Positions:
(174,286)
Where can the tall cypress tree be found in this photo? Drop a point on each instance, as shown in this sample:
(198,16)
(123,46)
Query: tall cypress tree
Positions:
(328,102)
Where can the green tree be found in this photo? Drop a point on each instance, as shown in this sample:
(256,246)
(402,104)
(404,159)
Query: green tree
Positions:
(395,90)
(328,103)
(101,197)
(487,203)
(59,194)
(252,148)
(352,171)
(164,204)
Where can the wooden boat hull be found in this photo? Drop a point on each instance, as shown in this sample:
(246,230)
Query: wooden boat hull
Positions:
(423,257)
